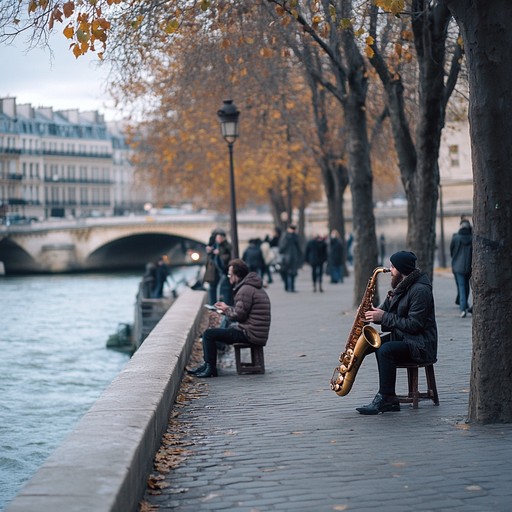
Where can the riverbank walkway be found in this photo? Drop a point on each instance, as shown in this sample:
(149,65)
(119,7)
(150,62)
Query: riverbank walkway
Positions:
(285,441)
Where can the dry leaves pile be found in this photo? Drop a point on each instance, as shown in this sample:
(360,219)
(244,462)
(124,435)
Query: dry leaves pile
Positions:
(176,443)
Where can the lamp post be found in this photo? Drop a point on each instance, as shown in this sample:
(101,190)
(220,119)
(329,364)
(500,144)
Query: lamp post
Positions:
(228,117)
(442,254)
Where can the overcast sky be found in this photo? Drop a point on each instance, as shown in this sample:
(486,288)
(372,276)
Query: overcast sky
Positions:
(61,81)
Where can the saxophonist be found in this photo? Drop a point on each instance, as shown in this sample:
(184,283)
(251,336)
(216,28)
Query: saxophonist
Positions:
(408,314)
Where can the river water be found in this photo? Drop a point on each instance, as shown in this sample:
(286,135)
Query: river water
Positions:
(54,362)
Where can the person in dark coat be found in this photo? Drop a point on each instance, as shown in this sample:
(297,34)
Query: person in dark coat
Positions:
(148,282)
(316,256)
(408,314)
(253,256)
(218,254)
(162,272)
(335,257)
(291,257)
(461,251)
(249,317)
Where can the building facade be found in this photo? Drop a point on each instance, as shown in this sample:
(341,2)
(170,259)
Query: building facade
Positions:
(455,166)
(64,164)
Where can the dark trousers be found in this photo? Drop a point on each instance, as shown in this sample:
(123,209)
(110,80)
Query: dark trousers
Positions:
(463,289)
(316,273)
(389,356)
(212,336)
(289,284)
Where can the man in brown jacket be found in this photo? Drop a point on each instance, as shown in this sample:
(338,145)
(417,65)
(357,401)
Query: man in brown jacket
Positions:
(249,317)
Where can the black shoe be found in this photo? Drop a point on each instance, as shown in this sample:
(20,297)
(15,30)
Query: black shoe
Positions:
(195,371)
(380,404)
(209,371)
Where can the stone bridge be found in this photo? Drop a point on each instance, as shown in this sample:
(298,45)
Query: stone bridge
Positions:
(116,243)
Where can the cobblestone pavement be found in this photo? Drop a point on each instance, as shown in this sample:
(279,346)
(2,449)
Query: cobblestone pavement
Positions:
(285,441)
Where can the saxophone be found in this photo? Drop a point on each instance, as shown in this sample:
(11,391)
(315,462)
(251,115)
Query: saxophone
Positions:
(362,340)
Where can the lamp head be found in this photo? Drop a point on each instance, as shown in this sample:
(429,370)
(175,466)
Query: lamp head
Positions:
(228,117)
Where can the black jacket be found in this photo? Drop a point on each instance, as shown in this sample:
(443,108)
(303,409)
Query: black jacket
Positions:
(410,316)
(461,251)
(316,252)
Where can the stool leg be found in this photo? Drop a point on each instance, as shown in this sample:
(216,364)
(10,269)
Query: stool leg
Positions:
(238,360)
(431,384)
(412,377)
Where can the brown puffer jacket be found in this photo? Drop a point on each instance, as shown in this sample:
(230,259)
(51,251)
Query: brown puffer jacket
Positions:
(251,309)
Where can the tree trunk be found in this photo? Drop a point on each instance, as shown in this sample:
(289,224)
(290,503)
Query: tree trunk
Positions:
(418,160)
(278,207)
(330,151)
(361,180)
(335,182)
(487,42)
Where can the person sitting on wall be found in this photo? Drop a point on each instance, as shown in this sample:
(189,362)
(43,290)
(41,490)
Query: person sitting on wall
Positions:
(249,317)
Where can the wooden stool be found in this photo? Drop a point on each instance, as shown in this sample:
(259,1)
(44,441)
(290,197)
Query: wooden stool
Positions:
(414,396)
(257,363)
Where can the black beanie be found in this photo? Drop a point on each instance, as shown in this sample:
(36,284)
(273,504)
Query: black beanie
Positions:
(404,262)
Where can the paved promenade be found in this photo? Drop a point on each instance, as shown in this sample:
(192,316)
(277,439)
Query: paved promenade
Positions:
(285,441)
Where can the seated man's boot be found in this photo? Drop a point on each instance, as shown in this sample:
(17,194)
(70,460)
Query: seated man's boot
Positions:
(209,371)
(380,404)
(197,370)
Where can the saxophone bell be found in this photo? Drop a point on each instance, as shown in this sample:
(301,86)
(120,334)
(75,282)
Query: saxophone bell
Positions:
(363,340)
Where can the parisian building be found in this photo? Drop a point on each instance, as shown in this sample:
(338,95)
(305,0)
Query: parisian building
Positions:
(64,164)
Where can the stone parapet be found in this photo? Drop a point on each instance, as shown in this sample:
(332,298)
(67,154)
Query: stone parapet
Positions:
(104,463)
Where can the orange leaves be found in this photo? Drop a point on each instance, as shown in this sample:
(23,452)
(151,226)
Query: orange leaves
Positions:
(86,24)
(280,11)
(68,8)
(69,31)
(393,6)
(32,6)
(368,50)
(171,26)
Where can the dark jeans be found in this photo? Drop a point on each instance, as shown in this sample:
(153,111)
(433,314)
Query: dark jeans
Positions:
(336,274)
(289,284)
(316,273)
(212,292)
(463,289)
(389,356)
(212,336)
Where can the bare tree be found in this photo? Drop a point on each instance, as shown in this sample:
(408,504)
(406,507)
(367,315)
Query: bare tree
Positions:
(487,41)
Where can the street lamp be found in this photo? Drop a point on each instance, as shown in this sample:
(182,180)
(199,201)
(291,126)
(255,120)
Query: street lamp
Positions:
(228,117)
(442,254)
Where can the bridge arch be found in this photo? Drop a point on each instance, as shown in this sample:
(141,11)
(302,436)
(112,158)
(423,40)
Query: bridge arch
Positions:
(115,243)
(14,257)
(135,250)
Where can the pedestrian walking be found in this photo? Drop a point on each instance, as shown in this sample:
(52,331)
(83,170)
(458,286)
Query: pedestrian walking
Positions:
(382,249)
(291,257)
(461,249)
(316,256)
(253,256)
(162,272)
(268,258)
(335,257)
(218,254)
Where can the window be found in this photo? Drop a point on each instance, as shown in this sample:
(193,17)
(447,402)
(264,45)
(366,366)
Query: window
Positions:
(454,156)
